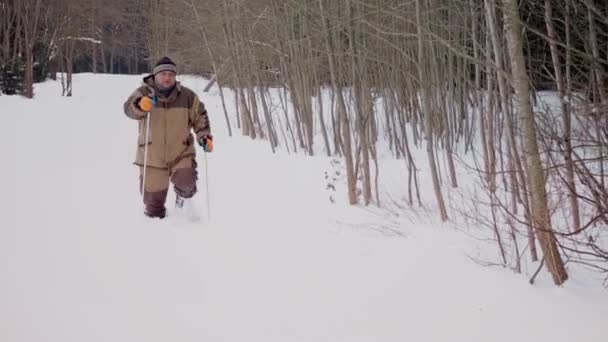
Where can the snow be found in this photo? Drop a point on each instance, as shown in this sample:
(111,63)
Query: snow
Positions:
(276,261)
(85,39)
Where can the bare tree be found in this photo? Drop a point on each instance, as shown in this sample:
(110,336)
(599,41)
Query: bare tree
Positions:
(540,209)
(29,13)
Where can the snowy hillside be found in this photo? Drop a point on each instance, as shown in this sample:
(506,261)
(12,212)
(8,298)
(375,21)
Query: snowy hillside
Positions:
(275,261)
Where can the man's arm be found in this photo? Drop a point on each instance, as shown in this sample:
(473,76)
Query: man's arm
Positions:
(131,106)
(200,120)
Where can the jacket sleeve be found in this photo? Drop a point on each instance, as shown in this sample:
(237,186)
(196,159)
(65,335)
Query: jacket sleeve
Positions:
(199,119)
(131,108)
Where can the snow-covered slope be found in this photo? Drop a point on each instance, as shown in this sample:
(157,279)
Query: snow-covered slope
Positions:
(276,261)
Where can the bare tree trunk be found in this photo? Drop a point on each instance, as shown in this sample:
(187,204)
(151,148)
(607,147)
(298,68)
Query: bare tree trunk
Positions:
(283,99)
(478,106)
(253,102)
(502,87)
(30,14)
(94,58)
(9,21)
(522,96)
(598,77)
(322,121)
(597,69)
(247,127)
(361,106)
(426,108)
(335,125)
(68,67)
(342,112)
(237,107)
(272,136)
(95,10)
(103,58)
(561,86)
(452,121)
(112,48)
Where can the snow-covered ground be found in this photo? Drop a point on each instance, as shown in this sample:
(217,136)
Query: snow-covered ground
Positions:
(275,261)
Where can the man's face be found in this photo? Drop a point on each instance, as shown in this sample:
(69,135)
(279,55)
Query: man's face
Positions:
(164,80)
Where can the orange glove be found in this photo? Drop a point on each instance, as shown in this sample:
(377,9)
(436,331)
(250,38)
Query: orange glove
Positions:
(209,145)
(146,104)
(206,142)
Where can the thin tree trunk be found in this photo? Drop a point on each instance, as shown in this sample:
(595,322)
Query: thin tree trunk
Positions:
(30,27)
(112,53)
(69,66)
(94,58)
(322,122)
(598,78)
(426,108)
(361,105)
(103,58)
(522,96)
(561,86)
(342,113)
(526,195)
(502,86)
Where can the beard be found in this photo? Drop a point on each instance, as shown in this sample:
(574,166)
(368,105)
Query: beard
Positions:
(165,90)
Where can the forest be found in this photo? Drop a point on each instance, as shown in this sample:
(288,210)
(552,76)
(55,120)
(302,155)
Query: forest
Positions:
(514,91)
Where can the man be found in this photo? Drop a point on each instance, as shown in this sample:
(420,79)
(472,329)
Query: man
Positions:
(174,111)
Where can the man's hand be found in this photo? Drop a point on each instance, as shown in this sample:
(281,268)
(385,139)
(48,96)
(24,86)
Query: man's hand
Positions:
(146,104)
(206,142)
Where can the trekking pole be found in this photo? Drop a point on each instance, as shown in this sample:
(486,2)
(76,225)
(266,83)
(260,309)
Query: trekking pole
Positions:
(207,188)
(143,190)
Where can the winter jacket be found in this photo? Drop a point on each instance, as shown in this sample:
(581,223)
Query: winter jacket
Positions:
(171,123)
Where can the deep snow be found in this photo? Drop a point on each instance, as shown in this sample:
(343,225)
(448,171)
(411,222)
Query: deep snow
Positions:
(277,261)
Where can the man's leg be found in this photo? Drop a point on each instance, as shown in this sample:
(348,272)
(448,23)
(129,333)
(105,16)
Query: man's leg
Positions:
(184,176)
(155,192)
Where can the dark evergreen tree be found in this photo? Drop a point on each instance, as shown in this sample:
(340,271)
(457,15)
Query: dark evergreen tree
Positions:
(11,78)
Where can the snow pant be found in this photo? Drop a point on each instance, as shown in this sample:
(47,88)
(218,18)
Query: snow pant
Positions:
(182,174)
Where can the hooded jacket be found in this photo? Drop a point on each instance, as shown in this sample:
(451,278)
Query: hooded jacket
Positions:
(172,121)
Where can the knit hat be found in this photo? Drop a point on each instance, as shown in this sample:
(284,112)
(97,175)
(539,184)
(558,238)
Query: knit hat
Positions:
(164,64)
